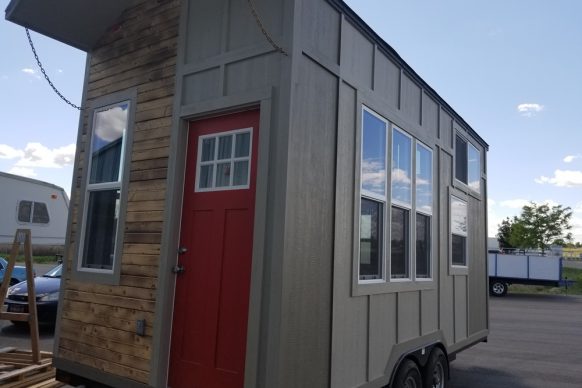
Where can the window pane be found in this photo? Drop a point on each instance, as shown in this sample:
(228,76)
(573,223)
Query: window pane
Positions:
(458,216)
(399,233)
(40,214)
(24,210)
(101,229)
(243,145)
(474,165)
(374,155)
(459,248)
(107,143)
(423,246)
(222,175)
(241,173)
(205,179)
(423,179)
(371,225)
(460,159)
(208,146)
(225,147)
(401,168)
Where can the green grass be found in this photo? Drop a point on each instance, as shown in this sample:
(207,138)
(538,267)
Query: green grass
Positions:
(569,273)
(572,252)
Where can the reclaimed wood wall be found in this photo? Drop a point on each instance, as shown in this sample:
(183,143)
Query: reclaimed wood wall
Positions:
(98,322)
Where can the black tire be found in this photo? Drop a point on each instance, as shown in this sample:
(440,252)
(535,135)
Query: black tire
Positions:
(498,288)
(436,371)
(408,375)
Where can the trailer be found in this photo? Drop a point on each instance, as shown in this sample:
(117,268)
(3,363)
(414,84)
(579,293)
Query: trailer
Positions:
(265,195)
(32,204)
(525,268)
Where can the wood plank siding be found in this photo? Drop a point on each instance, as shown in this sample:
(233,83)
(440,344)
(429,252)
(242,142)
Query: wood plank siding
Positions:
(99,321)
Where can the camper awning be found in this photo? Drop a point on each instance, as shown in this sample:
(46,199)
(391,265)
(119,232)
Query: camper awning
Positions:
(78,23)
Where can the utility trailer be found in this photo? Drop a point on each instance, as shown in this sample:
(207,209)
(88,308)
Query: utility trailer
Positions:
(36,205)
(266,195)
(530,269)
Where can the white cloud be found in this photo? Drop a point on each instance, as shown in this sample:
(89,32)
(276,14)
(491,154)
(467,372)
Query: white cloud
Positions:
(38,155)
(400,176)
(571,158)
(491,202)
(7,152)
(562,178)
(23,171)
(514,203)
(529,110)
(28,71)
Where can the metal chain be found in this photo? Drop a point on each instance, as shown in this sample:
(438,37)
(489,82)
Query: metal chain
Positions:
(46,76)
(263,29)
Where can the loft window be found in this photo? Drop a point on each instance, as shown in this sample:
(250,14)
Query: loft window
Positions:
(224,161)
(373,197)
(458,232)
(424,198)
(33,212)
(104,187)
(467,164)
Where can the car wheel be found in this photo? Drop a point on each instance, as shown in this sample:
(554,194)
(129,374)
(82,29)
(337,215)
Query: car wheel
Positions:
(408,375)
(498,288)
(436,370)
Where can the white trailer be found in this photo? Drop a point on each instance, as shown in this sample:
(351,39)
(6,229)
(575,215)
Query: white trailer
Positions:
(506,269)
(32,204)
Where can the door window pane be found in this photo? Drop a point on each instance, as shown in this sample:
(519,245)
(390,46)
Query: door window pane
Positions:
(423,179)
(224,147)
(373,155)
(399,233)
(241,173)
(371,225)
(205,180)
(459,250)
(208,149)
(24,211)
(474,167)
(423,245)
(223,175)
(460,159)
(107,143)
(101,229)
(401,168)
(243,145)
(40,214)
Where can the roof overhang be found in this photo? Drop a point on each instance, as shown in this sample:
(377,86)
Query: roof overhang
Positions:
(78,23)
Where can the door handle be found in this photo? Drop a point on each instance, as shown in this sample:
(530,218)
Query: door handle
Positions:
(182,250)
(178,269)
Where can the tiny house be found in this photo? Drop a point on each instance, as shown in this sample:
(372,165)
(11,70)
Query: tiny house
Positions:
(32,204)
(265,195)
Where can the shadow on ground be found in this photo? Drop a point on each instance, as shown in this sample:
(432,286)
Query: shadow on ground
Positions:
(476,377)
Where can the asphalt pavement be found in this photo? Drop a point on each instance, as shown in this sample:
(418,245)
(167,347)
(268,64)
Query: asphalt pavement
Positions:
(535,342)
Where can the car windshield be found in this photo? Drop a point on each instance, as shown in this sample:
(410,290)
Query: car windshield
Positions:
(55,272)
(3,263)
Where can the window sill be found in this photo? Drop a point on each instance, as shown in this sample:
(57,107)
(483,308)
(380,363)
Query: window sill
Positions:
(361,289)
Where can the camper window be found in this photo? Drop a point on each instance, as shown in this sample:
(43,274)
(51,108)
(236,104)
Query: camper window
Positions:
(33,212)
(458,232)
(424,198)
(467,164)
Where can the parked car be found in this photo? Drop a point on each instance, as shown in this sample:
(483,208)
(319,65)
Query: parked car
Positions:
(47,296)
(18,273)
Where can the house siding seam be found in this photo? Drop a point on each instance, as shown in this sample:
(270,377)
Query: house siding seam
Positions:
(97,328)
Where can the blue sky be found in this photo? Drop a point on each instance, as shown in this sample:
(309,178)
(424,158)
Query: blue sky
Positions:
(511,69)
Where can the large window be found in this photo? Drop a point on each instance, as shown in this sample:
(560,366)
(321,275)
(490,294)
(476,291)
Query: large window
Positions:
(467,164)
(458,232)
(104,187)
(424,198)
(373,197)
(33,212)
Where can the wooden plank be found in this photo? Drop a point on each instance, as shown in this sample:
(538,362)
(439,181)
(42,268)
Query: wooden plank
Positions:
(147,195)
(139,281)
(106,354)
(110,323)
(31,380)
(137,216)
(23,371)
(114,313)
(143,238)
(18,317)
(145,249)
(143,145)
(149,164)
(115,301)
(139,270)
(142,206)
(137,227)
(148,185)
(151,260)
(159,123)
(132,292)
(146,175)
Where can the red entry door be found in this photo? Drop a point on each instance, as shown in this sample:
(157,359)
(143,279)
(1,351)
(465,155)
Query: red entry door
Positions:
(209,332)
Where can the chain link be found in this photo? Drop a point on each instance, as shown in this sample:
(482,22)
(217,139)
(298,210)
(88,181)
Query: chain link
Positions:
(45,74)
(264,30)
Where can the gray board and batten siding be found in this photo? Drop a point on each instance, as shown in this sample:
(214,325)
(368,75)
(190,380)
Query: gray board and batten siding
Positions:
(311,323)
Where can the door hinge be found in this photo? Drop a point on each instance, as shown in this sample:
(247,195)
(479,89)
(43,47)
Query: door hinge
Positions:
(178,269)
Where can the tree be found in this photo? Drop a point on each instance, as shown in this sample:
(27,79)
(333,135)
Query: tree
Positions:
(504,233)
(538,226)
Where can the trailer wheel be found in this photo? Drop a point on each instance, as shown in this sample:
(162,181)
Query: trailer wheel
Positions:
(436,370)
(408,375)
(498,288)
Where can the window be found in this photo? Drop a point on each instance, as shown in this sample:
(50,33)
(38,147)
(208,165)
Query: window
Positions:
(104,187)
(458,232)
(467,164)
(424,198)
(401,204)
(33,212)
(224,161)
(373,199)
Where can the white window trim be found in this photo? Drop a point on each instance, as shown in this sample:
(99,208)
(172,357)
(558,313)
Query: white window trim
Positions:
(95,187)
(215,161)
(374,197)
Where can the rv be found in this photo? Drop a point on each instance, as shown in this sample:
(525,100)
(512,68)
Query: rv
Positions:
(32,204)
(265,195)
